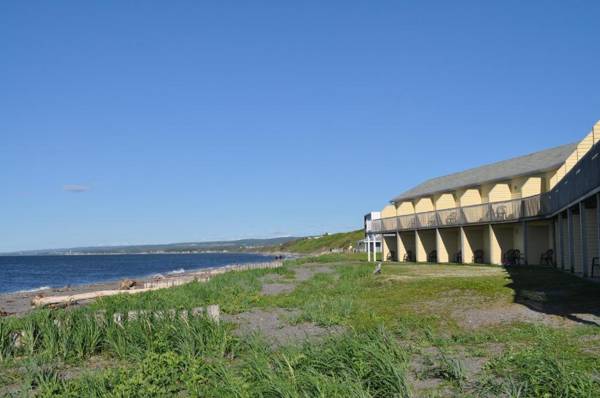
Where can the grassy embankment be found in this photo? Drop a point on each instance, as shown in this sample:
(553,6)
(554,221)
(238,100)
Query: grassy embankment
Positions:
(405,334)
(321,244)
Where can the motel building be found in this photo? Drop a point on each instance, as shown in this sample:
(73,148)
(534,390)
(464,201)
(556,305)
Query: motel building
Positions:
(540,208)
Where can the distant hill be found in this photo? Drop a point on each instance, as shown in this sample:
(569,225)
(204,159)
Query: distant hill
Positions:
(323,243)
(185,247)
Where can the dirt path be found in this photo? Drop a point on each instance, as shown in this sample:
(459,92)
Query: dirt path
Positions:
(277,284)
(277,326)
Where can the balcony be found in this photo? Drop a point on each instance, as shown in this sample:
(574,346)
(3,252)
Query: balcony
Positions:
(506,211)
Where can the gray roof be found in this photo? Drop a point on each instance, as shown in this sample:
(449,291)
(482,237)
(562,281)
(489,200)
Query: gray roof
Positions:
(536,162)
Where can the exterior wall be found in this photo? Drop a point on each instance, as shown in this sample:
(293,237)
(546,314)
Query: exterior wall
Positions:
(577,244)
(444,201)
(425,243)
(531,186)
(584,146)
(570,162)
(518,239)
(406,243)
(423,205)
(591,235)
(473,239)
(469,197)
(388,211)
(447,244)
(551,179)
(537,237)
(390,250)
(498,192)
(492,252)
(405,208)
(566,257)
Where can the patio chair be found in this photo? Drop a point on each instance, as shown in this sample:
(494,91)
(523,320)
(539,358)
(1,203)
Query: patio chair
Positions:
(391,255)
(501,213)
(508,257)
(451,218)
(458,257)
(432,257)
(408,256)
(432,221)
(547,257)
(595,263)
(478,256)
(519,259)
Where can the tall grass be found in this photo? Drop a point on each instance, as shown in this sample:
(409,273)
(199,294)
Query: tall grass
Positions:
(357,365)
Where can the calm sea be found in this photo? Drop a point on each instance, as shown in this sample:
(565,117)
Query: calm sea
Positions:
(28,273)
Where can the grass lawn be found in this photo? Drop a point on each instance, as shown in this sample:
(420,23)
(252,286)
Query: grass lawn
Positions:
(416,330)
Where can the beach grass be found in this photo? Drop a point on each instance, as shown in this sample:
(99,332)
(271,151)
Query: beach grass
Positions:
(402,334)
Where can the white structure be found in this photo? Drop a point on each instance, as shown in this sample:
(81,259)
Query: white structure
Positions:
(372,241)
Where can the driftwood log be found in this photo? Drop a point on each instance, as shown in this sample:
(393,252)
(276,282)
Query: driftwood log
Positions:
(40,301)
(203,276)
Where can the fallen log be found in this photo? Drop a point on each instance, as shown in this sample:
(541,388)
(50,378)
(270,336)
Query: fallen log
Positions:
(40,301)
(202,276)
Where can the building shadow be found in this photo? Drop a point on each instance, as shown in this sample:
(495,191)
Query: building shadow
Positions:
(550,291)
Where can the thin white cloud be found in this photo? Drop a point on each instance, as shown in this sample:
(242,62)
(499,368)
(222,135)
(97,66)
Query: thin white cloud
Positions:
(75,188)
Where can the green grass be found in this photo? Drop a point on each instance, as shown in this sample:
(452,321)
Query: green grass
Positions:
(388,322)
(323,243)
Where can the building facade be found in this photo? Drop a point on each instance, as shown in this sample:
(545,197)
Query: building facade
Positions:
(540,208)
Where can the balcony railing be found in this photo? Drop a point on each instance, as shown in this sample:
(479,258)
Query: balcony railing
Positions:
(506,211)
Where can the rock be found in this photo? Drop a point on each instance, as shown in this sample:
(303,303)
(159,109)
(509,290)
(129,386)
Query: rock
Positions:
(127,284)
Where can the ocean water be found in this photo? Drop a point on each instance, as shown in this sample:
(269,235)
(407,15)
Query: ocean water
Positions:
(30,273)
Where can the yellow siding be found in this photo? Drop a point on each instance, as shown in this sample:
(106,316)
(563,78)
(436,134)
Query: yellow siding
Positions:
(424,204)
(570,162)
(584,146)
(517,184)
(531,187)
(405,208)
(499,193)
(445,201)
(388,211)
(469,197)
(493,247)
(596,131)
(551,179)
(420,254)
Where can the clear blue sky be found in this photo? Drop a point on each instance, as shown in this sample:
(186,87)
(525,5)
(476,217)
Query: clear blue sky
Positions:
(185,121)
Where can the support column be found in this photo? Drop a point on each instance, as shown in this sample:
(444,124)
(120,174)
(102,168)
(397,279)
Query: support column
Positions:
(554,247)
(495,251)
(384,248)
(400,249)
(583,240)
(571,239)
(442,251)
(368,248)
(466,250)
(525,242)
(561,242)
(374,248)
(420,255)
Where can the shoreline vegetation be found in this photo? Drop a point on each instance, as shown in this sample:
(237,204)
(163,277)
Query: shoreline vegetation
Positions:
(20,301)
(321,326)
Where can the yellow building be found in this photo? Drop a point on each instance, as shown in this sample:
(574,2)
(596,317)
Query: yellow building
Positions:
(540,208)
